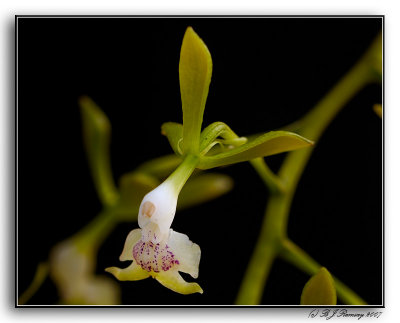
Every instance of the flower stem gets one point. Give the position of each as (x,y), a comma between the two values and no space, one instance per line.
(272,181)
(274,227)
(179,177)
(264,254)
(94,233)
(41,273)
(299,258)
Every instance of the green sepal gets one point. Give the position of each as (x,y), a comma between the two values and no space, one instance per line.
(203,188)
(271,143)
(209,135)
(96,136)
(195,69)
(174,133)
(319,290)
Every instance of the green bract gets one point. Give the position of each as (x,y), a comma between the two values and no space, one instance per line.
(319,290)
(195,69)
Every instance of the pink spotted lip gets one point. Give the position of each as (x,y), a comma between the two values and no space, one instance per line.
(154,256)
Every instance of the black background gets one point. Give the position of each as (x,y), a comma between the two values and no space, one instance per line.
(267,72)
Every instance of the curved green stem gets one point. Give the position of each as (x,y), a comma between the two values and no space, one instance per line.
(272,181)
(179,177)
(264,254)
(41,273)
(296,256)
(274,225)
(96,231)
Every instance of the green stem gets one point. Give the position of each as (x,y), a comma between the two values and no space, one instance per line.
(300,259)
(270,180)
(274,225)
(94,233)
(264,254)
(41,273)
(179,177)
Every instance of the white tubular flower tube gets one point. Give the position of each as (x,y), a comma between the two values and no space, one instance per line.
(158,207)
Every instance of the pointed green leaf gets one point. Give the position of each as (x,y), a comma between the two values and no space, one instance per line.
(195,68)
(96,135)
(174,133)
(319,290)
(203,188)
(271,143)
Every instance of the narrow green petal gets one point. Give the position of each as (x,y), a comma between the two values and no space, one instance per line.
(319,290)
(271,143)
(210,134)
(96,135)
(174,133)
(204,188)
(174,281)
(133,272)
(195,69)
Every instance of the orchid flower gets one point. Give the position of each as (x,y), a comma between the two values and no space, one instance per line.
(72,268)
(155,249)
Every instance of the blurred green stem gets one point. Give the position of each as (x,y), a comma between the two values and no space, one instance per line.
(274,226)
(41,273)
(272,181)
(296,256)
(94,233)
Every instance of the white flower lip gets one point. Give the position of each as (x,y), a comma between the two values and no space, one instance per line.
(162,261)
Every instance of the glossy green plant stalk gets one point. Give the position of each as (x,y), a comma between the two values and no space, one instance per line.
(273,231)
(296,256)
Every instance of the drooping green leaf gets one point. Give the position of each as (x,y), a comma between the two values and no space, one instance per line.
(271,143)
(174,133)
(195,69)
(96,136)
(209,135)
(319,290)
(203,188)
